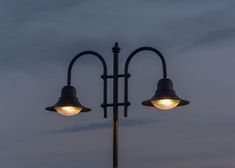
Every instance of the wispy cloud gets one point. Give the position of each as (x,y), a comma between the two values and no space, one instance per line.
(106,125)
(39,38)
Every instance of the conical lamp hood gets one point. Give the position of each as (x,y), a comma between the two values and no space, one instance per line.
(165,90)
(68,98)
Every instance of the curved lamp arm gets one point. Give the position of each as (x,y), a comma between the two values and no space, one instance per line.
(82,54)
(147,49)
(127,75)
(105,73)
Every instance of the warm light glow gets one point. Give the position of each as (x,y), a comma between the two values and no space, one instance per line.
(165,104)
(68,110)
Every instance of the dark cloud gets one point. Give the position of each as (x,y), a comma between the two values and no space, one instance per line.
(220,36)
(106,125)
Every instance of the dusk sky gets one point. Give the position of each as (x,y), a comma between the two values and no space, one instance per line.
(38,38)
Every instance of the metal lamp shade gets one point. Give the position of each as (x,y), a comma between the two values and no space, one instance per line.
(68,98)
(165,91)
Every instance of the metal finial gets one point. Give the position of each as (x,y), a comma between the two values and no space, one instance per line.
(116,47)
(116,44)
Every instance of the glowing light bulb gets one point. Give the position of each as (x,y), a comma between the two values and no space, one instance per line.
(68,110)
(165,104)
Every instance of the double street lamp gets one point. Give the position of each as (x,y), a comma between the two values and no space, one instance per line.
(165,98)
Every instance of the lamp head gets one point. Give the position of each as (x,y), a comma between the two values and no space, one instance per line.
(165,97)
(68,104)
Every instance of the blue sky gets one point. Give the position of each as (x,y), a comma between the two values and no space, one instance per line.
(39,38)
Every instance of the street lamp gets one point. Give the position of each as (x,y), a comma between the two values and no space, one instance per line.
(164,98)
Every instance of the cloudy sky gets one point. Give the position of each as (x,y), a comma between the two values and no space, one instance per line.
(39,38)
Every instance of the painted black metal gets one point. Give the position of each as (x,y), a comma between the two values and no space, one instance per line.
(127,66)
(119,76)
(116,51)
(165,88)
(119,104)
(68,98)
(104,74)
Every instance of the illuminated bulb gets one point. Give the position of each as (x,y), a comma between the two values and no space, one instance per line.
(68,110)
(165,104)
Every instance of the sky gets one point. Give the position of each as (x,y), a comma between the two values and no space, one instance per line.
(39,38)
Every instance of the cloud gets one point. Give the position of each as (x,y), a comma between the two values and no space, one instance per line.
(39,38)
(106,125)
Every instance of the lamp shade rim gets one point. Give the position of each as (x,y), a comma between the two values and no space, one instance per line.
(149,103)
(84,109)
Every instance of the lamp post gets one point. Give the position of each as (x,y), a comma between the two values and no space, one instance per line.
(164,98)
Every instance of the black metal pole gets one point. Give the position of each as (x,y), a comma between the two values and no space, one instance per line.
(116,50)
